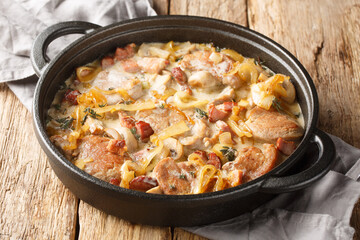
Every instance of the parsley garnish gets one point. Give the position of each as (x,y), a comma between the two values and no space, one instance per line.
(162,106)
(102,105)
(111,88)
(217,49)
(201,113)
(192,174)
(128,102)
(228,153)
(172,186)
(65,122)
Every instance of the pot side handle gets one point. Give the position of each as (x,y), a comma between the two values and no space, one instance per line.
(38,56)
(303,179)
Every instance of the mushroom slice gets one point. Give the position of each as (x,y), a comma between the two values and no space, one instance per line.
(175,147)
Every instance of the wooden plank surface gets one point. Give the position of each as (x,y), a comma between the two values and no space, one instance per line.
(33,202)
(324,35)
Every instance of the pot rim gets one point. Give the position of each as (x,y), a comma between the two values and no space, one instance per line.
(242,189)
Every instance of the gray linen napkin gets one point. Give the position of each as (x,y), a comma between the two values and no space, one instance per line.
(22,20)
(321,211)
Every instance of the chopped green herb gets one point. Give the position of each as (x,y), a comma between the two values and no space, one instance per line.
(179,58)
(128,102)
(271,74)
(57,106)
(172,186)
(201,113)
(48,119)
(84,119)
(63,86)
(182,176)
(102,105)
(192,174)
(259,62)
(217,49)
(228,153)
(134,132)
(92,113)
(111,88)
(277,105)
(65,123)
(162,106)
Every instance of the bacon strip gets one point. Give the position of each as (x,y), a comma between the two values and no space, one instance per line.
(71,96)
(286,147)
(107,62)
(220,112)
(144,130)
(181,78)
(214,160)
(143,183)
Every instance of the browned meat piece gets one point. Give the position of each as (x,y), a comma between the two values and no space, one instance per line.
(107,62)
(152,64)
(179,75)
(181,78)
(126,121)
(211,158)
(115,181)
(126,52)
(224,127)
(117,146)
(253,162)
(198,60)
(71,96)
(202,155)
(271,125)
(286,147)
(220,112)
(60,142)
(160,119)
(102,163)
(143,183)
(130,66)
(171,178)
(139,155)
(214,160)
(235,178)
(144,130)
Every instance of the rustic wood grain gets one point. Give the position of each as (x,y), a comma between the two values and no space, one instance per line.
(228,10)
(33,202)
(324,36)
(97,223)
(161,7)
(180,234)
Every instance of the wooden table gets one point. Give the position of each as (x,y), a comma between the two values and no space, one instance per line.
(323,35)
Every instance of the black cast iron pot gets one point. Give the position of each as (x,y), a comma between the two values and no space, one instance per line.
(188,210)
